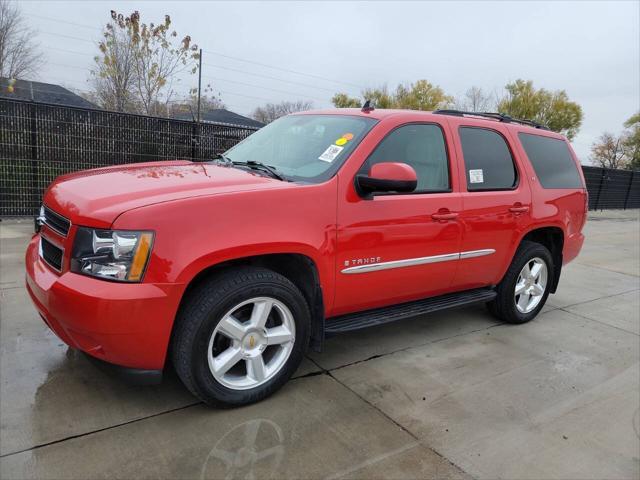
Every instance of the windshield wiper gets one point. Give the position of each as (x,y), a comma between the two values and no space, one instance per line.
(260,166)
(225,160)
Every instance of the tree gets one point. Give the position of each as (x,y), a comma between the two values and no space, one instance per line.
(608,152)
(208,102)
(272,111)
(553,109)
(19,54)
(621,151)
(476,100)
(114,77)
(631,141)
(342,100)
(421,95)
(380,97)
(143,60)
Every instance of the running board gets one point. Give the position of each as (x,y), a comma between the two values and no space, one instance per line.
(380,316)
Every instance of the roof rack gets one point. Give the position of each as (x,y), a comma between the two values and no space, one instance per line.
(501,117)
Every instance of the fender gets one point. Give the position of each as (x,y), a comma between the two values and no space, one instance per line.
(316,291)
(558,254)
(324,268)
(195,234)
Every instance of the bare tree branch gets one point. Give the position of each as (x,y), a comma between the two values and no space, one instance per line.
(19,54)
(609,152)
(139,64)
(476,100)
(272,111)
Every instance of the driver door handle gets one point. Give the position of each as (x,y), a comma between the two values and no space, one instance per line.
(444,216)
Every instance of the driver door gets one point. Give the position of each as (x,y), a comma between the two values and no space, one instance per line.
(397,247)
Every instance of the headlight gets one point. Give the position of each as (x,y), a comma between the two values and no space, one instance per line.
(112,254)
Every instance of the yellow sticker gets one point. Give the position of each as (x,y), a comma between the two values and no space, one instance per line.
(341,141)
(348,136)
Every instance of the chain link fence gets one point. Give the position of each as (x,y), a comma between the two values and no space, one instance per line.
(39,141)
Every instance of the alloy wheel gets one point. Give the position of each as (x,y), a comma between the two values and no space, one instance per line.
(251,343)
(531,285)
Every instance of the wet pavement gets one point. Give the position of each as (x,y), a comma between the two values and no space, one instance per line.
(448,395)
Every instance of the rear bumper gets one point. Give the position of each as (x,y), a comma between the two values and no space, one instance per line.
(572,246)
(128,325)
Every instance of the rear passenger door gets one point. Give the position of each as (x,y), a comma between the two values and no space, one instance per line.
(496,203)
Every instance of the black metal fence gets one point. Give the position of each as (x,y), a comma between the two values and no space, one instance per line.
(39,141)
(610,189)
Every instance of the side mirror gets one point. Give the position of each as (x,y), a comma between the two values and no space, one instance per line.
(387,177)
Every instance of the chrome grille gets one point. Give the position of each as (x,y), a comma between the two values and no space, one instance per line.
(56,222)
(51,254)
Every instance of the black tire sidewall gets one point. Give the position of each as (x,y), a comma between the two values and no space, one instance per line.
(277,287)
(506,290)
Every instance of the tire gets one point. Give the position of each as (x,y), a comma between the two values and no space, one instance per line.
(512,308)
(218,358)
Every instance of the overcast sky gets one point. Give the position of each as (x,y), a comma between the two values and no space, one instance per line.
(590,49)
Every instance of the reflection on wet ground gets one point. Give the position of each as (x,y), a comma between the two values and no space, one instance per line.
(314,428)
(450,395)
(239,453)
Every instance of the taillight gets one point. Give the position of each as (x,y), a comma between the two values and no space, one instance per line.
(586,201)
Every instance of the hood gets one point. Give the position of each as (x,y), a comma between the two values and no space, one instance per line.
(97,197)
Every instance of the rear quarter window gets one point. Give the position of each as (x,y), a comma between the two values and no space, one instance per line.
(552,161)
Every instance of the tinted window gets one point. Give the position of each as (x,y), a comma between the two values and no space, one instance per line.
(422,147)
(487,159)
(552,161)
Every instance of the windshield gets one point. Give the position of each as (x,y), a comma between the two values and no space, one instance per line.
(303,147)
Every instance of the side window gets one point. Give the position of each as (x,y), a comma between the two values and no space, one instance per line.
(552,161)
(487,159)
(422,147)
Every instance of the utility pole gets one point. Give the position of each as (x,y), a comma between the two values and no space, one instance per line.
(199,82)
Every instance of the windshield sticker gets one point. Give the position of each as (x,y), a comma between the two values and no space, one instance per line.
(476,176)
(341,141)
(348,136)
(330,153)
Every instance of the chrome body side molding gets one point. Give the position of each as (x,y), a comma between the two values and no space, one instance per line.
(477,253)
(407,262)
(410,262)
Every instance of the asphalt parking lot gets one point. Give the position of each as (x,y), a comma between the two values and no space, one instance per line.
(448,395)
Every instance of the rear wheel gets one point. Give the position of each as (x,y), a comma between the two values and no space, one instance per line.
(240,336)
(525,287)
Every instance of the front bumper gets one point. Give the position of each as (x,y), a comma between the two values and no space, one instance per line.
(128,325)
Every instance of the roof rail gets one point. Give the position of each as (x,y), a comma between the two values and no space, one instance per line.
(501,117)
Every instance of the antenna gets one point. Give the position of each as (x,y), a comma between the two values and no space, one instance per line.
(367,107)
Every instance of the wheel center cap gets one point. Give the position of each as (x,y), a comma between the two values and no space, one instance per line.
(254,342)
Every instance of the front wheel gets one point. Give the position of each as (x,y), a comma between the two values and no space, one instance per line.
(240,336)
(525,287)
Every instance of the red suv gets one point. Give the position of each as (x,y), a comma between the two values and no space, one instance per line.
(319,223)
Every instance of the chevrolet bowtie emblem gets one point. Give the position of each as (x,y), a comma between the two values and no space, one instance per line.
(252,342)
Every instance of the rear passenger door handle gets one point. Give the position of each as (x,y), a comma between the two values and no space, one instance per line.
(444,216)
(519,209)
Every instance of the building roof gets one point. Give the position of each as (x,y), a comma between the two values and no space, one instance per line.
(221,115)
(41,92)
